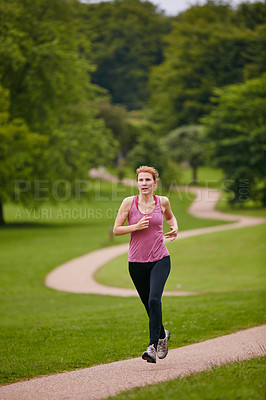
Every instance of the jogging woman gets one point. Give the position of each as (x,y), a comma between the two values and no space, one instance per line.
(149,260)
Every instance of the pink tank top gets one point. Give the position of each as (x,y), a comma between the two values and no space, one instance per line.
(147,244)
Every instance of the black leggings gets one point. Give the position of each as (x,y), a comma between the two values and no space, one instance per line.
(149,279)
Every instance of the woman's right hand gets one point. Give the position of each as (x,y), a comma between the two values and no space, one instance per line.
(143,223)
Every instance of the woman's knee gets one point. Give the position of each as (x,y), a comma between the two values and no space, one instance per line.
(154,302)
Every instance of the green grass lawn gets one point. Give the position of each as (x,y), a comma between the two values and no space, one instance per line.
(244,380)
(45,331)
(246,210)
(201,263)
(206,176)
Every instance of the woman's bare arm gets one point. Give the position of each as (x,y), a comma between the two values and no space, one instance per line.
(119,228)
(170,219)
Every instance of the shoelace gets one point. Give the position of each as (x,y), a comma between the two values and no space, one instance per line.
(162,344)
(151,348)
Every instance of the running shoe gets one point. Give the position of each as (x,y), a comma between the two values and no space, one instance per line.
(150,354)
(162,349)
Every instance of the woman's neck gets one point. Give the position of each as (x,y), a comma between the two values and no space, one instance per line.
(146,198)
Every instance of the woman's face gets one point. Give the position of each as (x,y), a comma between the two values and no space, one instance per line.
(146,183)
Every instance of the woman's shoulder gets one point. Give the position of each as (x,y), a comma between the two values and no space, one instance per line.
(164,200)
(127,201)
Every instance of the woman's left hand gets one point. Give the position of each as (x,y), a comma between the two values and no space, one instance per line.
(172,235)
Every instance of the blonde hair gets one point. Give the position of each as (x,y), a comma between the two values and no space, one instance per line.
(150,170)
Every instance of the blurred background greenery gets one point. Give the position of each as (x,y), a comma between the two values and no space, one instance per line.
(119,84)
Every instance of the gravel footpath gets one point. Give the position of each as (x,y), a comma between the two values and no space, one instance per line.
(106,380)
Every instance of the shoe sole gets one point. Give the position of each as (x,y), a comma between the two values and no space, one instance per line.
(161,358)
(145,356)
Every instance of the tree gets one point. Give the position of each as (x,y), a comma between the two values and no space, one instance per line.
(40,63)
(236,129)
(185,144)
(148,152)
(116,118)
(20,149)
(127,39)
(45,65)
(207,48)
(251,14)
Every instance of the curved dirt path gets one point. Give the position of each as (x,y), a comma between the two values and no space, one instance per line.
(106,380)
(77,275)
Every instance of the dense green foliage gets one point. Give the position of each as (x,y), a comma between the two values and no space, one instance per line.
(117,119)
(147,152)
(20,149)
(209,46)
(41,65)
(48,80)
(127,40)
(237,130)
(186,144)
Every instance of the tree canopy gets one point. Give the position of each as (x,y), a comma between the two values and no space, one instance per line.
(20,149)
(127,40)
(147,152)
(208,47)
(186,144)
(236,130)
(45,67)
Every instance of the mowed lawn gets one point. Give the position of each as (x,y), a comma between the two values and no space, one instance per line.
(45,331)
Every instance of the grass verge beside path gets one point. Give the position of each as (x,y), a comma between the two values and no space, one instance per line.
(241,380)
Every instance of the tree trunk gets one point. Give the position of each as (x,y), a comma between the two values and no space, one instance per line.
(2,222)
(195,181)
